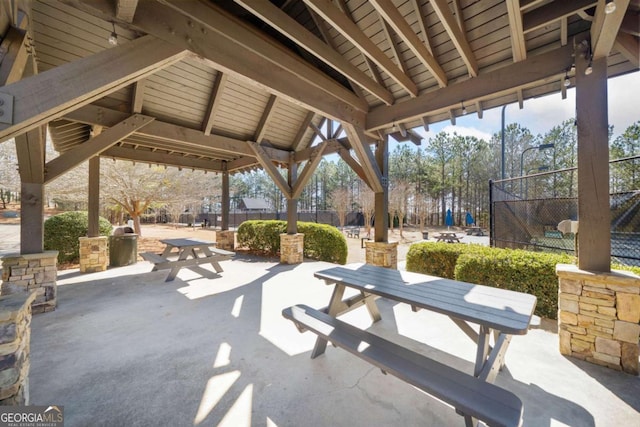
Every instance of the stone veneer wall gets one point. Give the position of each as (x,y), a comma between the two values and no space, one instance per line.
(291,248)
(383,254)
(32,272)
(15,337)
(93,254)
(599,317)
(226,240)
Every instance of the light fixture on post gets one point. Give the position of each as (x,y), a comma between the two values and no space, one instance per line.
(464,109)
(113,38)
(610,7)
(567,80)
(589,68)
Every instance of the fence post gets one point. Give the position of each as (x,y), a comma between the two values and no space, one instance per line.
(491,219)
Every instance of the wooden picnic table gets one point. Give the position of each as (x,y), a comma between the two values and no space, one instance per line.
(500,312)
(448,236)
(190,253)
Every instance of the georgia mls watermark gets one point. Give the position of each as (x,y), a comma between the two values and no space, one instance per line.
(32,416)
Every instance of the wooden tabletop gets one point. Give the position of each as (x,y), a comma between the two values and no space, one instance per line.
(504,310)
(183,242)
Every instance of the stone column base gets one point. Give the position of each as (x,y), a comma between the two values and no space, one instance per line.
(291,248)
(599,317)
(15,336)
(93,254)
(382,254)
(226,240)
(32,272)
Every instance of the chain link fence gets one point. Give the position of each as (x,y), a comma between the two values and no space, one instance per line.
(525,211)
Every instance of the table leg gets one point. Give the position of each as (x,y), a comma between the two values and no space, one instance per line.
(495,361)
(334,306)
(183,254)
(483,349)
(372,307)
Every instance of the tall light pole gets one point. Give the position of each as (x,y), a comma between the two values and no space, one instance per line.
(502,175)
(537,147)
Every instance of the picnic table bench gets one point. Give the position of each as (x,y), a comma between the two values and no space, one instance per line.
(449,237)
(499,312)
(190,253)
(353,232)
(475,231)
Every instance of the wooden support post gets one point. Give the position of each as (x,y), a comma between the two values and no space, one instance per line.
(225,197)
(382,198)
(292,204)
(594,236)
(94,197)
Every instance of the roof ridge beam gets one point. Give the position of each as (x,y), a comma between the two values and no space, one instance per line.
(390,13)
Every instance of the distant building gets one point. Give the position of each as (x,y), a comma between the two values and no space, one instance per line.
(253,205)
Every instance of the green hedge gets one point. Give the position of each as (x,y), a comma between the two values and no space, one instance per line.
(63,231)
(516,270)
(322,242)
(437,259)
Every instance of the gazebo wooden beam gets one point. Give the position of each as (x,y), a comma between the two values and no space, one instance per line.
(454,30)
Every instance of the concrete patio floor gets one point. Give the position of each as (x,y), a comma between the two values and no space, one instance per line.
(125,348)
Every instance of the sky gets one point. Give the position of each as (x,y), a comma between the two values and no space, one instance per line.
(539,115)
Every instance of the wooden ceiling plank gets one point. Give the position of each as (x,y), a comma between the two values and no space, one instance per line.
(308,170)
(94,146)
(454,28)
(629,47)
(518,45)
(288,26)
(361,147)
(510,77)
(231,45)
(214,102)
(126,9)
(267,115)
(270,168)
(605,28)
(69,86)
(551,12)
(423,25)
(138,96)
(13,55)
(345,26)
(390,13)
(166,159)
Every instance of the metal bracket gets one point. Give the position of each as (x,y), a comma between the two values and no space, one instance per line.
(6,108)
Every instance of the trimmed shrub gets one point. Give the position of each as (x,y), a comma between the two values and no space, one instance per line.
(63,231)
(437,259)
(322,242)
(516,270)
(631,268)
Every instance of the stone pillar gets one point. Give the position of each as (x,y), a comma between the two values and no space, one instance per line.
(382,254)
(226,240)
(32,272)
(291,248)
(599,316)
(93,254)
(15,337)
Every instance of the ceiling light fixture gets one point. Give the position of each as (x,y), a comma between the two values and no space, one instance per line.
(610,7)
(589,69)
(113,38)
(464,109)
(567,80)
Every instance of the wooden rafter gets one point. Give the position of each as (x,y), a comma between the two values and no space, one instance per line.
(288,26)
(214,102)
(138,96)
(13,55)
(353,164)
(390,13)
(605,27)
(454,27)
(422,24)
(479,109)
(94,146)
(297,140)
(126,9)
(629,47)
(345,26)
(501,81)
(267,115)
(518,45)
(69,86)
(228,44)
(551,12)
(386,29)
(362,149)
(147,156)
(308,170)
(271,169)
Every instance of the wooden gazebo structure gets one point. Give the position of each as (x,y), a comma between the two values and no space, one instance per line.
(230,85)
